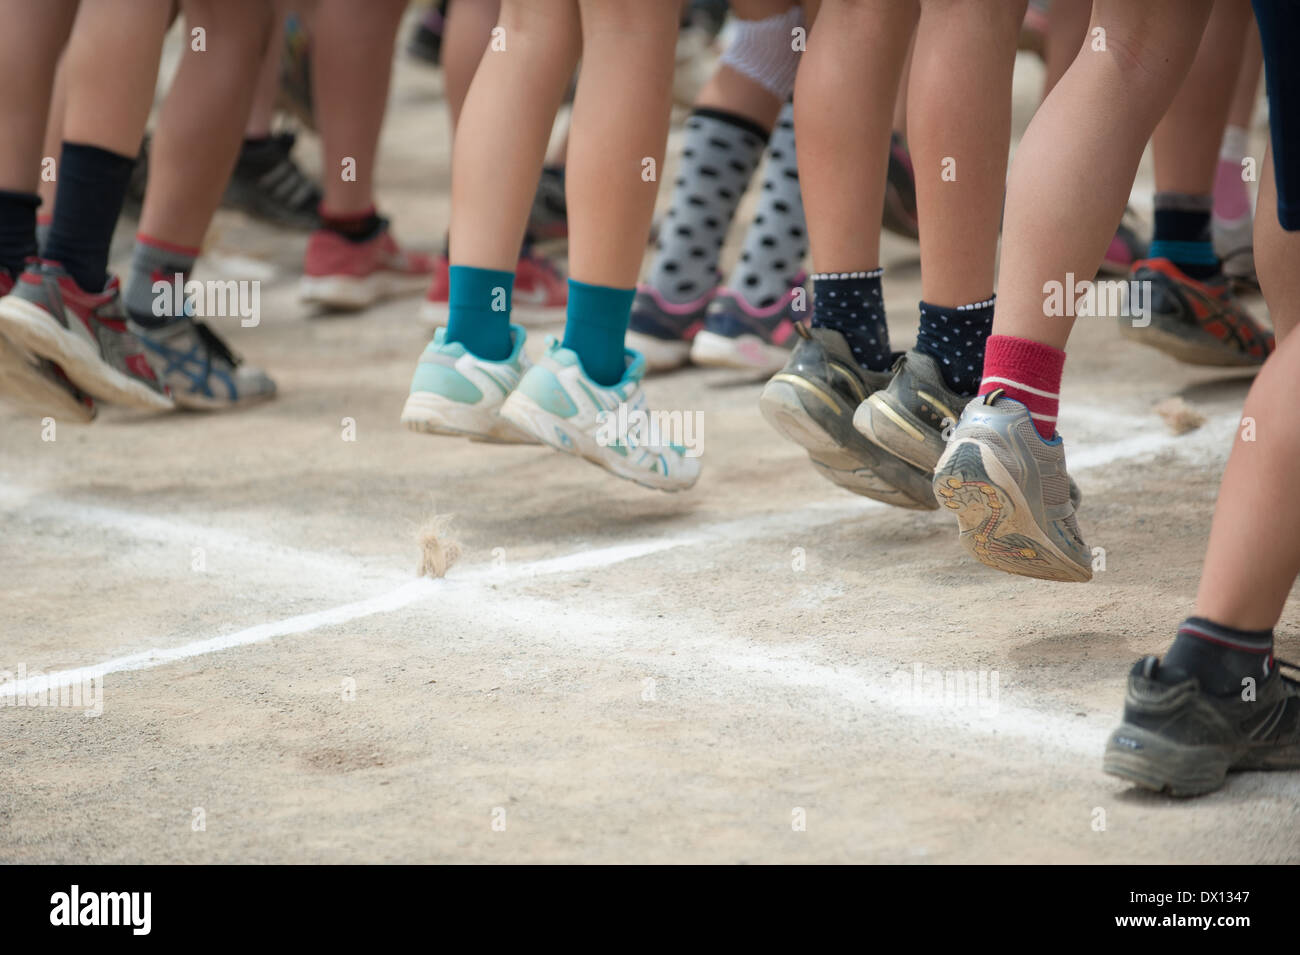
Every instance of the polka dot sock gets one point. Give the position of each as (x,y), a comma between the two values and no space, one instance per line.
(719,156)
(777,241)
(955,337)
(850,303)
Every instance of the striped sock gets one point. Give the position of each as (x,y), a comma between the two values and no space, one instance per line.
(1029,372)
(1220,657)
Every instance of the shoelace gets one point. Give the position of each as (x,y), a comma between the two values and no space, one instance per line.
(213,345)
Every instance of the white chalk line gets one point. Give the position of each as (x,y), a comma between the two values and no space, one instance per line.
(788,666)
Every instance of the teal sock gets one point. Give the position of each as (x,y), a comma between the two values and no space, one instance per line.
(479,311)
(597,322)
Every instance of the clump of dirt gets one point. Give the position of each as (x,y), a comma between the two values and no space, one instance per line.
(1178,415)
(438,550)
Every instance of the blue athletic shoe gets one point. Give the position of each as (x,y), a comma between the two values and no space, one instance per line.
(200,369)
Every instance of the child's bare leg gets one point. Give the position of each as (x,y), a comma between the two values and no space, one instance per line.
(352,60)
(465,37)
(494,163)
(1066,191)
(1067,25)
(262,111)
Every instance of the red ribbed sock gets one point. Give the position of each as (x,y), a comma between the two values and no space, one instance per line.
(1029,372)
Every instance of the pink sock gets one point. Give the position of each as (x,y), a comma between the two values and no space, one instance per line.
(1029,372)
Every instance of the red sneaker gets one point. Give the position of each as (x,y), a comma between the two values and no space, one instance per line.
(339,274)
(540,295)
(84,334)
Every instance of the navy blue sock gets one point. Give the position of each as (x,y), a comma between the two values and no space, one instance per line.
(850,303)
(595,326)
(478,311)
(92,187)
(955,337)
(1220,657)
(17,229)
(1183,235)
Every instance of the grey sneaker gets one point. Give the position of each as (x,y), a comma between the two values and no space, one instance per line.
(914,414)
(1175,737)
(811,402)
(200,369)
(1011,493)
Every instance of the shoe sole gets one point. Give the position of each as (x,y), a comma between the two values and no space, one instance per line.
(1188,352)
(661,354)
(745,352)
(556,432)
(348,294)
(883,422)
(803,412)
(428,413)
(200,403)
(435,314)
(22,383)
(997,526)
(31,327)
(1161,765)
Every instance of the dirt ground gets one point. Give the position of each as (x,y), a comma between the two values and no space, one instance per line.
(742,673)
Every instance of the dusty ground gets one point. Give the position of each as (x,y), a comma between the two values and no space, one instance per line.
(609,674)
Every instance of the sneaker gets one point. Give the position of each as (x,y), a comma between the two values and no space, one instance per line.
(84,333)
(559,405)
(900,191)
(268,185)
(1012,493)
(913,416)
(1126,247)
(664,332)
(340,274)
(1200,323)
(37,384)
(1177,738)
(457,393)
(811,402)
(200,369)
(540,294)
(738,335)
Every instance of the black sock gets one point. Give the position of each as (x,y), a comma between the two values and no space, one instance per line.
(17,229)
(1220,657)
(355,228)
(955,337)
(851,304)
(1183,234)
(92,187)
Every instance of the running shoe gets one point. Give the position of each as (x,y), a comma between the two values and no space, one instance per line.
(1012,493)
(84,333)
(738,335)
(1200,323)
(811,402)
(201,370)
(914,415)
(664,332)
(345,275)
(37,384)
(900,191)
(268,185)
(559,405)
(454,392)
(1234,244)
(1177,738)
(1126,247)
(540,294)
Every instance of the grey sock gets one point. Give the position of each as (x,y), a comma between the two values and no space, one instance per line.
(152,263)
(777,240)
(42,233)
(718,159)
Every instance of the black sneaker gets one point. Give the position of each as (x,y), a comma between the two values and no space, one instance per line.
(914,416)
(1177,738)
(268,185)
(811,402)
